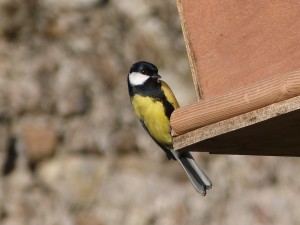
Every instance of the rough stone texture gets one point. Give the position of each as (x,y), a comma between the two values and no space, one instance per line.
(64,106)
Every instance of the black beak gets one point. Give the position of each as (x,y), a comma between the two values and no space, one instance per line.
(156,76)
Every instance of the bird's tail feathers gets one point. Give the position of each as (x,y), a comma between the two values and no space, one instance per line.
(199,179)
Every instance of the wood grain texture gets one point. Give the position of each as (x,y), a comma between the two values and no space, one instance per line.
(271,130)
(236,43)
(188,50)
(242,100)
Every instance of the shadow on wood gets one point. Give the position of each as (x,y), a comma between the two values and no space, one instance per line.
(272,130)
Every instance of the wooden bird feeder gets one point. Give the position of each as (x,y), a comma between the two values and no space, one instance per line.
(245,62)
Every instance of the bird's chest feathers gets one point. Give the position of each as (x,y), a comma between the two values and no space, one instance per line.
(153,114)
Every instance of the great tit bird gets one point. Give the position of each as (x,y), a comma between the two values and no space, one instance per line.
(153,102)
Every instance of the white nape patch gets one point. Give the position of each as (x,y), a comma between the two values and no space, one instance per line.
(136,78)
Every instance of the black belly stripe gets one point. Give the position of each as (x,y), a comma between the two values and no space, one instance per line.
(169,108)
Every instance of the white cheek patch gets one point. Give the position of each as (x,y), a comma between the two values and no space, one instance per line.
(137,78)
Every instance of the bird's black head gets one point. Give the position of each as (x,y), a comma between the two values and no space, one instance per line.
(141,72)
(145,68)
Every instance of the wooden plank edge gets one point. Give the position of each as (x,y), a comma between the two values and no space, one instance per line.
(190,53)
(239,101)
(288,152)
(184,141)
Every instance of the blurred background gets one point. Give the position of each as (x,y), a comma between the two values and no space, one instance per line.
(71,149)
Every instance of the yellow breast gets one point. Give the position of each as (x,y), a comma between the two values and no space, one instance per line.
(152,113)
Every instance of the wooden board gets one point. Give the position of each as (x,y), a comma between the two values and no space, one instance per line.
(232,43)
(239,101)
(271,130)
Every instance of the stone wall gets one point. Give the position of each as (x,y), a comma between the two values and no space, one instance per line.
(71,149)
